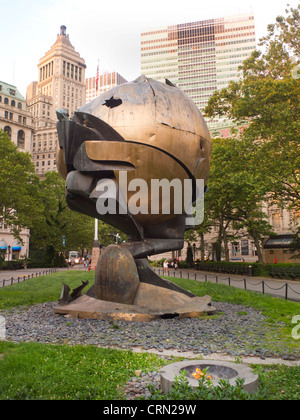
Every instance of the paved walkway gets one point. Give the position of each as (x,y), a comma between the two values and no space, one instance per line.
(8,277)
(274,287)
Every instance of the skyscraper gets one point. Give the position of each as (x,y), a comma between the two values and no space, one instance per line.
(61,84)
(101,83)
(199,57)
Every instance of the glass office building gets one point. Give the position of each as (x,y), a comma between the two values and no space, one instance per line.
(199,57)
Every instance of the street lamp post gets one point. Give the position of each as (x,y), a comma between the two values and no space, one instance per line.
(194,249)
(96,248)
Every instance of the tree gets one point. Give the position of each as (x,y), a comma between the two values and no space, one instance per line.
(235,194)
(20,204)
(189,256)
(266,100)
(59,221)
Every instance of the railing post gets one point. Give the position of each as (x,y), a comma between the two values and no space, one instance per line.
(245,284)
(263,287)
(286,291)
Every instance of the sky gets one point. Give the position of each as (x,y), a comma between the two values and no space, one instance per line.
(105,30)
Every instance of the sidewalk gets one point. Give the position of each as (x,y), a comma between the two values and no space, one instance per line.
(16,276)
(274,287)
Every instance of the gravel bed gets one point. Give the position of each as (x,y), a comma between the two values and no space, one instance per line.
(236,330)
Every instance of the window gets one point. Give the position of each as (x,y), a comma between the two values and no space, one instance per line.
(7,129)
(276,220)
(6,101)
(297,219)
(13,103)
(245,246)
(19,105)
(21,139)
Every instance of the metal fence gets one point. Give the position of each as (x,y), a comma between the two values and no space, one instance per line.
(262,286)
(19,279)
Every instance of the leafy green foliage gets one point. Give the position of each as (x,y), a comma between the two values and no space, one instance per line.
(19,187)
(266,102)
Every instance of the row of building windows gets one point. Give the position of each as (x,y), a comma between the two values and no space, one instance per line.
(72,71)
(12,102)
(46,71)
(43,163)
(243,34)
(240,41)
(10,116)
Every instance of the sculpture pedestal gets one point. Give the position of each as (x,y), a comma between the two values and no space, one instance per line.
(95,255)
(128,289)
(151,303)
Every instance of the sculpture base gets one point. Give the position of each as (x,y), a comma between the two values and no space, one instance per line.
(95,255)
(128,289)
(151,303)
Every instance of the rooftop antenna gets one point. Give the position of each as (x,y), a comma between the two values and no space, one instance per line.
(63,30)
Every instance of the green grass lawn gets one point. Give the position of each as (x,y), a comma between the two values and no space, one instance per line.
(42,289)
(49,372)
(45,371)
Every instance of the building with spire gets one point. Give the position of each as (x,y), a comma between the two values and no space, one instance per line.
(61,84)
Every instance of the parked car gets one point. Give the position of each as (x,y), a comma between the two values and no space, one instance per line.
(237,259)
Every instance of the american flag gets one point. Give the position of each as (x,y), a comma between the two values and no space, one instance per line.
(97,78)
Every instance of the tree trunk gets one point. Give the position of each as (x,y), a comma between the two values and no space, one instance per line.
(219,241)
(258,247)
(202,245)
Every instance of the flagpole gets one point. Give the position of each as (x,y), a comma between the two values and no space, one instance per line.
(95,254)
(97,79)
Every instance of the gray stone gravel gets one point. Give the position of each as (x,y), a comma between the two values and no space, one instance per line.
(236,330)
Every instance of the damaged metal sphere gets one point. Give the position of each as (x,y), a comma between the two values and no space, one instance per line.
(147,128)
(113,150)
